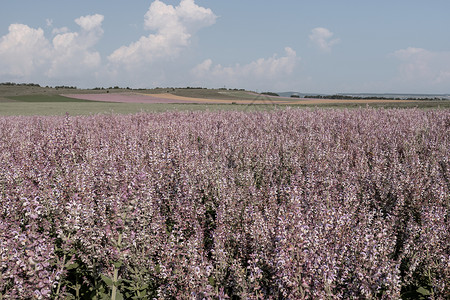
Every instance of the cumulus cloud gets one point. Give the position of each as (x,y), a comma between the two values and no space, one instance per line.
(322,38)
(91,23)
(60,30)
(261,71)
(424,68)
(173,26)
(23,50)
(72,50)
(26,53)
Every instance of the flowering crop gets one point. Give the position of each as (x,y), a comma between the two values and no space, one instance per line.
(289,204)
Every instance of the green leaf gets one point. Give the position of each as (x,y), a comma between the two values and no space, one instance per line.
(118,264)
(119,296)
(118,282)
(212,281)
(70,266)
(423,291)
(107,280)
(104,296)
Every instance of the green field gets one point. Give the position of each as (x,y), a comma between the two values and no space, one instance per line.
(86,108)
(45,98)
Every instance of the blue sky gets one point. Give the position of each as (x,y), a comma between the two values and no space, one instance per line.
(323,46)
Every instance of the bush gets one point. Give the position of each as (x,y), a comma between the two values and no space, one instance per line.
(270,94)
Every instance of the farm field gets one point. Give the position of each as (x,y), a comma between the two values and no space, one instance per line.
(249,98)
(25,100)
(288,204)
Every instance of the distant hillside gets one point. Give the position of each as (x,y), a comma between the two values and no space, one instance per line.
(368,95)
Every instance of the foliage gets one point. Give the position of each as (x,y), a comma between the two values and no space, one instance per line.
(288,204)
(65,87)
(19,84)
(270,94)
(348,97)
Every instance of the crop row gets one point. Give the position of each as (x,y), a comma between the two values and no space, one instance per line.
(289,204)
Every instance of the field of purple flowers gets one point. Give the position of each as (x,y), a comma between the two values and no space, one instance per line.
(289,204)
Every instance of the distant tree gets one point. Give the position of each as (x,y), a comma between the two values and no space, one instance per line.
(295,96)
(270,94)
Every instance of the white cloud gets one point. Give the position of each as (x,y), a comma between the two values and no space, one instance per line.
(322,38)
(60,30)
(25,53)
(262,72)
(424,69)
(174,27)
(23,50)
(90,23)
(72,50)
(204,68)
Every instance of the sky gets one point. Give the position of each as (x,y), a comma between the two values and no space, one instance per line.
(314,46)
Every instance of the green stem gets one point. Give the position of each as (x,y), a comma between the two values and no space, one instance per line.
(60,279)
(77,287)
(116,271)
(62,269)
(431,283)
(114,287)
(430,278)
